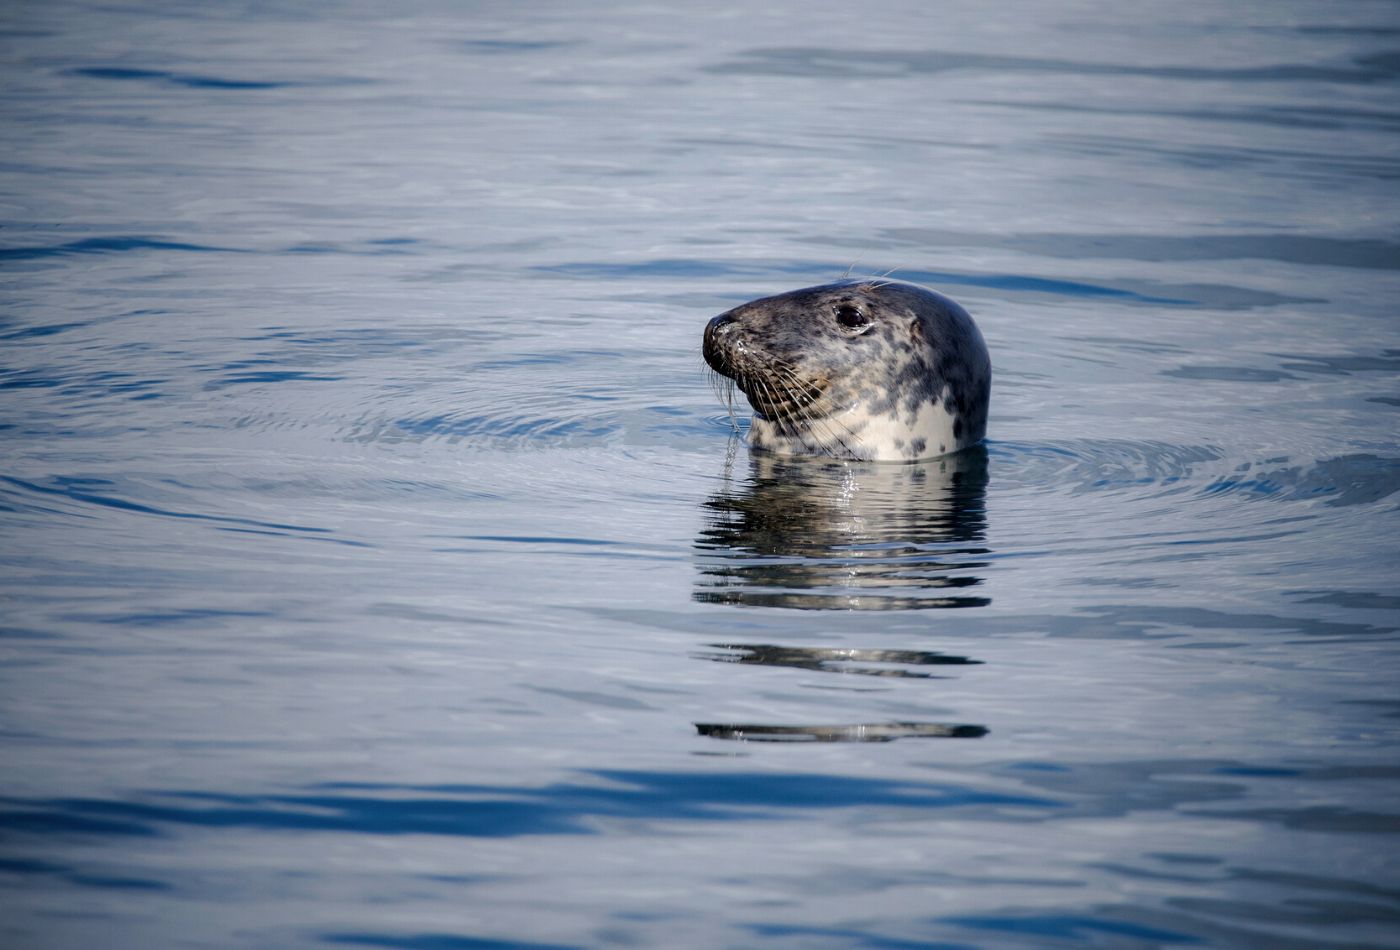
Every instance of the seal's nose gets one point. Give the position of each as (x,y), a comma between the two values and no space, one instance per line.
(716,333)
(720,322)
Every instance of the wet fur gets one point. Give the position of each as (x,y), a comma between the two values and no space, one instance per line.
(914,383)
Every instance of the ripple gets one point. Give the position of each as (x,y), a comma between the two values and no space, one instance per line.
(113,244)
(262,377)
(511,46)
(427,940)
(495,811)
(1100,466)
(1365,253)
(501,431)
(192,80)
(860,732)
(1304,164)
(698,269)
(892,663)
(1281,117)
(98,493)
(1157,468)
(1387,361)
(518,398)
(1075,927)
(1345,480)
(827,62)
(1228,374)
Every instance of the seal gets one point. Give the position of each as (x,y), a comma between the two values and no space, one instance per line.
(875,370)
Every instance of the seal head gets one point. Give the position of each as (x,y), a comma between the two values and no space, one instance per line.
(875,370)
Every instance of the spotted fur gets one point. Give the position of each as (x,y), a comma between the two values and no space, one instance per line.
(876,370)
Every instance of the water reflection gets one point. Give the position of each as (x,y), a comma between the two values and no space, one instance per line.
(860,732)
(819,535)
(836,660)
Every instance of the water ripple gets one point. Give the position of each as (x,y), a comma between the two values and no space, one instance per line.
(859,732)
(114,244)
(1150,468)
(826,62)
(1017,283)
(191,80)
(438,941)
(88,492)
(1320,250)
(1358,479)
(842,660)
(486,811)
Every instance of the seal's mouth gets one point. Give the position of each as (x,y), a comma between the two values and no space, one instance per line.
(776,389)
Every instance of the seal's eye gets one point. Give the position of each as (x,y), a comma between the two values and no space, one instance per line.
(851,317)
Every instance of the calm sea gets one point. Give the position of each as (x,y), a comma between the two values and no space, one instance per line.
(379,569)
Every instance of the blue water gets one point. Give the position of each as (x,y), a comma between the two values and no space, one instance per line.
(379,568)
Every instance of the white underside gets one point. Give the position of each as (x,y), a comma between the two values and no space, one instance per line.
(882,438)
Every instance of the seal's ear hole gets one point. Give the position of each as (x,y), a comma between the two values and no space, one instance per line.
(916,331)
(851,316)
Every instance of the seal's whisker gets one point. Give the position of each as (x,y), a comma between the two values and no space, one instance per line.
(818,415)
(789,413)
(823,417)
(792,389)
(876,281)
(774,405)
(723,388)
(777,392)
(797,406)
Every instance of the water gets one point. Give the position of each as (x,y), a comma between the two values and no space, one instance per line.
(380,570)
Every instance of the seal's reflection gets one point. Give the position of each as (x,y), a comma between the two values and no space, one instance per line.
(855,662)
(821,535)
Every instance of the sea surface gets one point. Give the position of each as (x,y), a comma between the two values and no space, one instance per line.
(378,567)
